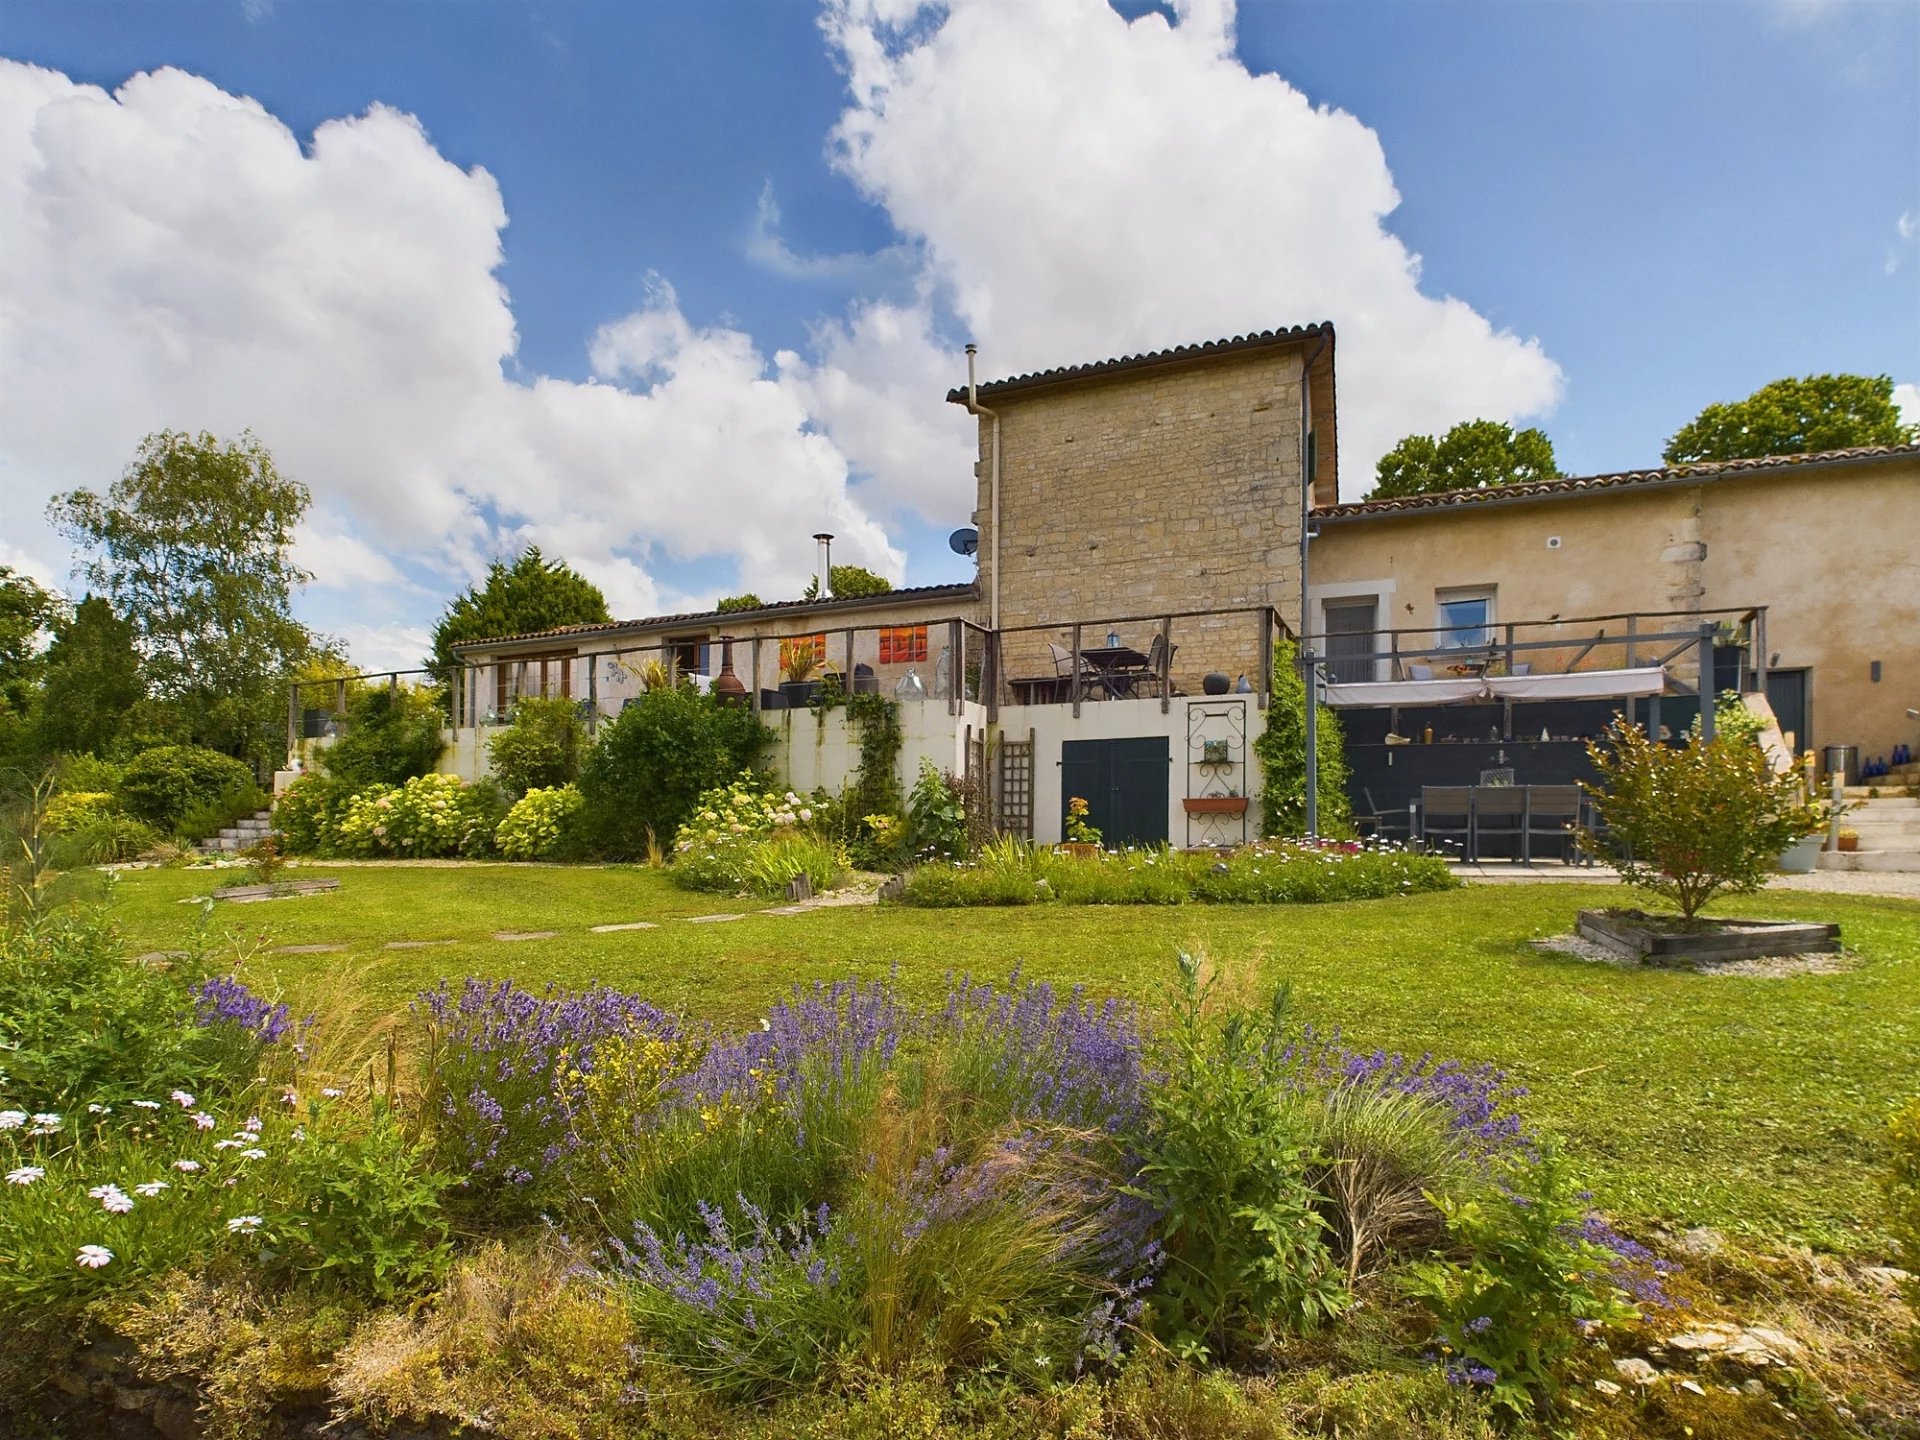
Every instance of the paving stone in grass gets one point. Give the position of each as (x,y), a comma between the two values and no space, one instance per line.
(630,925)
(710,919)
(415,944)
(525,934)
(307,949)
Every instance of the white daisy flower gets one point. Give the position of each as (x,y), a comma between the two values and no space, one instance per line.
(245,1224)
(146,1104)
(253,1154)
(252,1127)
(112,1198)
(182,1099)
(92,1257)
(189,1166)
(150,1189)
(48,1119)
(228,1144)
(94,1109)
(203,1121)
(332,1093)
(12,1119)
(25,1175)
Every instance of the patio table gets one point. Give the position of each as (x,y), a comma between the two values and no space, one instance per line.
(1115,668)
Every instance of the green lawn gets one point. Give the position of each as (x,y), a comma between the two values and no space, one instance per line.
(1751,1105)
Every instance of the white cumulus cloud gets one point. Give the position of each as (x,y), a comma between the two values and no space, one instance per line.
(172,256)
(1083,186)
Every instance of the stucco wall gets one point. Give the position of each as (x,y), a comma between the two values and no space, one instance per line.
(1146,493)
(1832,555)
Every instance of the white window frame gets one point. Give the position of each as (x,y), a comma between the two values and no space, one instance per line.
(1453,595)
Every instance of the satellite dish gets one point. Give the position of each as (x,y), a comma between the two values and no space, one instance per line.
(964,541)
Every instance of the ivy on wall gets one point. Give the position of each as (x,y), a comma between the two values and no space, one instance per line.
(1282,748)
(876,781)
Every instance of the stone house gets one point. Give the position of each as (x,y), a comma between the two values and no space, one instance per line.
(1140,526)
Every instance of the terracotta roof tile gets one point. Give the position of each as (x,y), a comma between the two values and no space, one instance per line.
(913,594)
(1622,480)
(1067,374)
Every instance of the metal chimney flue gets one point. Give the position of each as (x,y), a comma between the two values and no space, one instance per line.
(826,565)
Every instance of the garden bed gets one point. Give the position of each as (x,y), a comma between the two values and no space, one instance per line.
(1663,940)
(277,890)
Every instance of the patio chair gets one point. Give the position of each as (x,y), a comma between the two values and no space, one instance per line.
(1447,810)
(1384,823)
(1553,812)
(1146,680)
(1071,671)
(1500,814)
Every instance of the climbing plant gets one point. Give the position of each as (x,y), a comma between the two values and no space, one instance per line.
(876,781)
(1282,749)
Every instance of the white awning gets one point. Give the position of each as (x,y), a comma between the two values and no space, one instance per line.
(1580,685)
(1408,692)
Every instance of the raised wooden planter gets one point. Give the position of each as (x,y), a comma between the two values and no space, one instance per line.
(1078,849)
(1658,940)
(1215,804)
(279,890)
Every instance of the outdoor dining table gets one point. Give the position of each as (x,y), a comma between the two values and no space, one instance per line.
(1115,668)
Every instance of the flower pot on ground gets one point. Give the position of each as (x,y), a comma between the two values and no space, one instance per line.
(1801,857)
(1079,849)
(1847,840)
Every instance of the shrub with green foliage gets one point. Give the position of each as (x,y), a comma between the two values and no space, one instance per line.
(936,818)
(539,824)
(82,1020)
(1687,824)
(650,766)
(1226,1163)
(1903,1199)
(104,840)
(1536,1274)
(390,735)
(1282,750)
(1012,872)
(173,785)
(430,817)
(748,836)
(70,810)
(541,748)
(307,813)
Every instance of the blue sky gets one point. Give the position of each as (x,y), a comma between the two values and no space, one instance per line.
(1638,208)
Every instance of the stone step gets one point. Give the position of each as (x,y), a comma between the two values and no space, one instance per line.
(1900,861)
(1885,795)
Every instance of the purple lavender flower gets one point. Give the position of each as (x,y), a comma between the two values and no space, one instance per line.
(225,1001)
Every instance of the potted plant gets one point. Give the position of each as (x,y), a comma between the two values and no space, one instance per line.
(798,660)
(1847,840)
(1082,839)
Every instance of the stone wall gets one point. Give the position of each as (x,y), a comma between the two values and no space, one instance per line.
(1150,492)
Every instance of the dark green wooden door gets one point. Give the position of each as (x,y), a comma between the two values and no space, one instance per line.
(1124,783)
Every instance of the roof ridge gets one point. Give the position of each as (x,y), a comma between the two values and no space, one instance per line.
(688,617)
(1196,350)
(1616,479)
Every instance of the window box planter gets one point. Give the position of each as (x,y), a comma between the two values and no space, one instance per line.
(800,694)
(1215,804)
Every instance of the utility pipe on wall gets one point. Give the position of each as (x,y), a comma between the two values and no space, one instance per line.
(974,407)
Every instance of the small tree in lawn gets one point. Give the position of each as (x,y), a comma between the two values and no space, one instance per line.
(1688,824)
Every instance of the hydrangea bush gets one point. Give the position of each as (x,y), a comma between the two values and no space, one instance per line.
(536,828)
(713,849)
(431,816)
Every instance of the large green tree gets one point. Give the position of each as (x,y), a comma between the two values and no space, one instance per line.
(849,581)
(94,686)
(533,593)
(27,611)
(1794,417)
(1471,456)
(193,544)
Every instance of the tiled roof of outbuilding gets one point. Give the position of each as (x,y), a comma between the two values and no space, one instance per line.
(1622,480)
(1068,374)
(912,595)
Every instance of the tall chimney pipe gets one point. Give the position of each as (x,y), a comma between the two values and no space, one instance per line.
(826,565)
